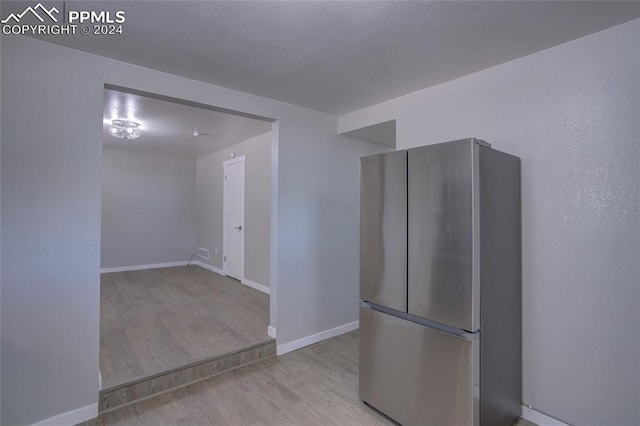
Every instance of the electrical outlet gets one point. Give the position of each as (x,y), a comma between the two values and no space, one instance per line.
(215,251)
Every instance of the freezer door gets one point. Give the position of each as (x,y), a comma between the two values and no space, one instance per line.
(442,201)
(418,375)
(383,229)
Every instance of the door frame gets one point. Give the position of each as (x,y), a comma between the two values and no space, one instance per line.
(239,159)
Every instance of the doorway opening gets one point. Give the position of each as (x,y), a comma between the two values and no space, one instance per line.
(181,298)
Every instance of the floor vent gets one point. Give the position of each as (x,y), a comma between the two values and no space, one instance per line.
(203,253)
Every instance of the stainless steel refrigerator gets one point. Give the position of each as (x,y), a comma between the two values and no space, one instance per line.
(440,285)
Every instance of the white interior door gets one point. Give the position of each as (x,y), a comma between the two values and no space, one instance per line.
(233,217)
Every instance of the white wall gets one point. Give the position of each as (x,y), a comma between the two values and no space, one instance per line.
(257,224)
(572,114)
(52,101)
(148,208)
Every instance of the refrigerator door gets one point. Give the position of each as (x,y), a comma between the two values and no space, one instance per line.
(383,229)
(418,375)
(443,278)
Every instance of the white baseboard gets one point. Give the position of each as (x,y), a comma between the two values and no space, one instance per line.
(315,338)
(271,331)
(141,267)
(257,286)
(539,418)
(71,417)
(207,266)
(249,283)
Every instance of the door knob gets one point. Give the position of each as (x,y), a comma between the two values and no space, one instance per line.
(238,228)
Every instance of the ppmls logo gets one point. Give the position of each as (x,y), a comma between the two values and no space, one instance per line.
(84,22)
(34,11)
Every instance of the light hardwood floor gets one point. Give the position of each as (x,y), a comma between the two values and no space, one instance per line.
(159,319)
(317,385)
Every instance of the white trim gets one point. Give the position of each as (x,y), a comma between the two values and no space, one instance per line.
(240,159)
(207,266)
(273,277)
(141,267)
(539,418)
(271,331)
(255,285)
(234,160)
(72,417)
(315,338)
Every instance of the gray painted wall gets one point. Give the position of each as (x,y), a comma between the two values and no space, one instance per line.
(51,167)
(571,113)
(148,208)
(0,241)
(318,211)
(257,205)
(52,102)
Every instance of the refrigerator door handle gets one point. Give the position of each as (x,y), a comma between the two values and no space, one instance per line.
(465,334)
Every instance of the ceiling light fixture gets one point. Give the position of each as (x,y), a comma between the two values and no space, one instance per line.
(125,129)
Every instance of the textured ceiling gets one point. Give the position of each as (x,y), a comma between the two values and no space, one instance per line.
(337,57)
(169,127)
